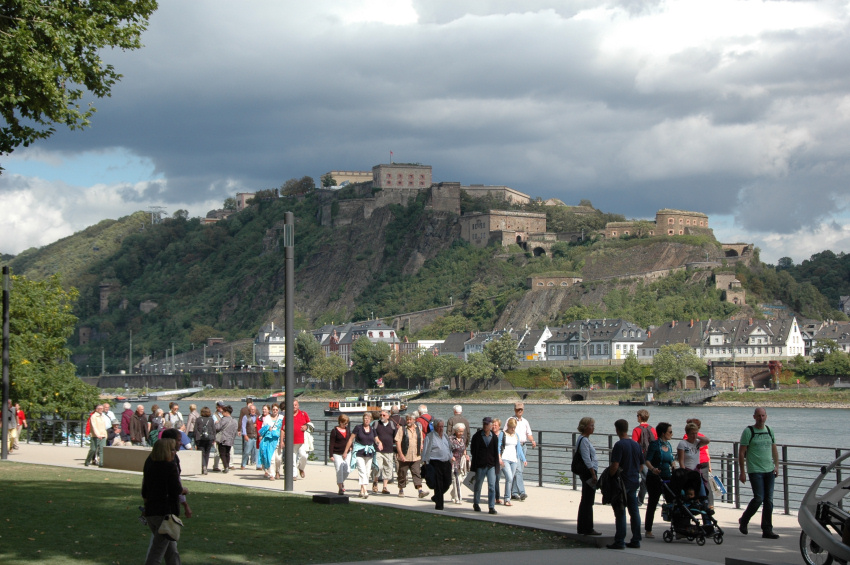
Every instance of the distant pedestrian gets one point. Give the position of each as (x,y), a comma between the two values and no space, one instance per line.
(425,420)
(336,447)
(759,457)
(457,418)
(626,456)
(138,426)
(22,423)
(204,436)
(270,434)
(98,437)
(248,431)
(227,429)
(126,418)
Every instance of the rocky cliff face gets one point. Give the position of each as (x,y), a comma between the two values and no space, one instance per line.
(339,271)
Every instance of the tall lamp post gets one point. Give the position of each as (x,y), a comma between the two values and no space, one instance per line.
(289,383)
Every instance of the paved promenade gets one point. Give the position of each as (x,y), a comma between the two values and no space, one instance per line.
(552,508)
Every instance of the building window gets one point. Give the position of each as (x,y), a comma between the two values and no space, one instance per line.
(370,334)
(380,334)
(681,221)
(681,232)
(669,220)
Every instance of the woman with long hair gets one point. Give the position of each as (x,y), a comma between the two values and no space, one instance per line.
(512,456)
(161,491)
(204,436)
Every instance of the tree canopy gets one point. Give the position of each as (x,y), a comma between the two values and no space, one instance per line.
(675,362)
(42,378)
(52,57)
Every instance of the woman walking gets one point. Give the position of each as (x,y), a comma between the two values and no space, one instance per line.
(688,452)
(204,436)
(512,456)
(660,461)
(161,491)
(363,443)
(336,447)
(587,452)
(227,428)
(460,460)
(270,434)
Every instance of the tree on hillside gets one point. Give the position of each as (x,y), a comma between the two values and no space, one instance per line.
(328,180)
(479,307)
(329,369)
(201,332)
(297,186)
(631,372)
(675,362)
(52,57)
(307,351)
(502,352)
(229,203)
(445,325)
(42,377)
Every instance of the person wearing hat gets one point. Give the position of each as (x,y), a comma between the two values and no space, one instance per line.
(486,460)
(113,435)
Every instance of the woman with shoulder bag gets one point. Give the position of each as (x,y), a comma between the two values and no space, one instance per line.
(161,491)
(587,455)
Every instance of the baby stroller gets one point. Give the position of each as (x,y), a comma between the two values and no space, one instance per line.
(688,515)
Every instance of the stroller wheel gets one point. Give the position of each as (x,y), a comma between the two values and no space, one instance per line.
(668,536)
(701,540)
(718,538)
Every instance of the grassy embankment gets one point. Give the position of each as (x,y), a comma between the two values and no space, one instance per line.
(87,517)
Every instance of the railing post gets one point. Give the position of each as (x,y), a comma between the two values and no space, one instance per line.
(785,489)
(838,476)
(572,454)
(327,440)
(539,458)
(735,479)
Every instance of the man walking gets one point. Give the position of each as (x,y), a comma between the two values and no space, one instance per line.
(97,426)
(248,429)
(758,451)
(486,462)
(409,443)
(300,419)
(386,430)
(523,432)
(22,423)
(644,434)
(438,453)
(626,456)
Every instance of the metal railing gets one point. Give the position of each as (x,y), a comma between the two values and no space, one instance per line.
(550,461)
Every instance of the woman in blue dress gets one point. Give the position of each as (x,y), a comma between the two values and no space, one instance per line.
(270,434)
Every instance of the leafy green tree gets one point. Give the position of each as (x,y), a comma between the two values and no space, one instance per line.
(328,180)
(477,366)
(631,371)
(823,348)
(229,203)
(675,362)
(329,369)
(371,360)
(579,312)
(444,368)
(42,377)
(307,351)
(502,352)
(479,307)
(52,57)
(581,379)
(445,325)
(298,186)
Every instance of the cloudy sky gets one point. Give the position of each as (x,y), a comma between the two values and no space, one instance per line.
(738,109)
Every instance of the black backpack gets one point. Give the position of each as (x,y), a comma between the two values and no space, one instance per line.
(204,429)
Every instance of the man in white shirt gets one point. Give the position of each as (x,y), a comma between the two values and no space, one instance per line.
(523,431)
(108,415)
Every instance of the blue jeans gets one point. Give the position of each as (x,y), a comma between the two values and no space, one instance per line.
(249,452)
(762,484)
(519,485)
(634,515)
(509,470)
(490,473)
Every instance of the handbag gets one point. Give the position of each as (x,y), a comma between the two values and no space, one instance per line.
(578,466)
(170,527)
(716,484)
(469,480)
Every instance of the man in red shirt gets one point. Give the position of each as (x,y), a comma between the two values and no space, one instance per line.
(300,419)
(22,423)
(643,433)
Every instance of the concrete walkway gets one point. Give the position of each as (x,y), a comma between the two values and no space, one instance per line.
(552,509)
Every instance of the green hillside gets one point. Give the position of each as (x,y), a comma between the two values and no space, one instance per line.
(226,279)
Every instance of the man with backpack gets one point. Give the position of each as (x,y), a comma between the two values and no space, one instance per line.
(758,452)
(425,421)
(644,434)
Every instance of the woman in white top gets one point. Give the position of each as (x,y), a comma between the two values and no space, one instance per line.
(512,456)
(688,452)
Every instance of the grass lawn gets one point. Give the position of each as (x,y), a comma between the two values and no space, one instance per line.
(82,516)
(790,394)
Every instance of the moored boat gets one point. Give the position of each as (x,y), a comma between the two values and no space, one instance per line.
(366,403)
